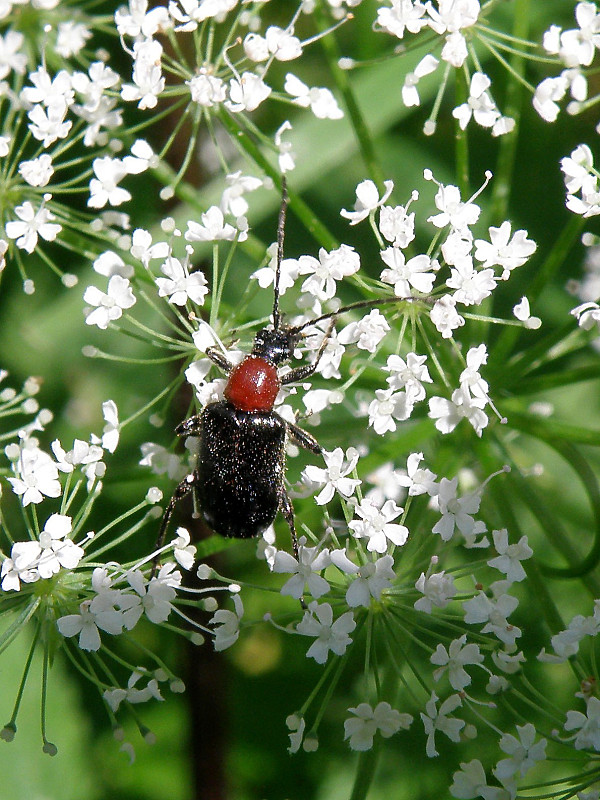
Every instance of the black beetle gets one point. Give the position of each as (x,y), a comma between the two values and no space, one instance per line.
(240,472)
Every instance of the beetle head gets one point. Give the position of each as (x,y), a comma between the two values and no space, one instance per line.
(276,346)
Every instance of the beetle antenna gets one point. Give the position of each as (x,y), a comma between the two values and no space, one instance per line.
(279,257)
(359,304)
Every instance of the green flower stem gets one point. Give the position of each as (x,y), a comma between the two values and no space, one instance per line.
(357,120)
(512,106)
(461,137)
(583,567)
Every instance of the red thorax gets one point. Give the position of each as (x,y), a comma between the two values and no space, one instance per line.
(253,385)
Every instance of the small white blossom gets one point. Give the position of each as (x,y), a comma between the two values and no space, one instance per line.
(375,524)
(320,101)
(31,224)
(311,560)
(437,589)
(510,556)
(330,635)
(367,721)
(367,200)
(587,725)
(178,285)
(454,659)
(334,477)
(370,581)
(247,92)
(435,719)
(213,228)
(108,306)
(227,624)
(418,272)
(523,753)
(367,333)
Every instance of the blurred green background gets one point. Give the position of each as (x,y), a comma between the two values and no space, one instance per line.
(226,737)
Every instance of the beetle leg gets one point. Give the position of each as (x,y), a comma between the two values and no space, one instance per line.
(183,488)
(303,439)
(218,358)
(190,427)
(300,373)
(287,510)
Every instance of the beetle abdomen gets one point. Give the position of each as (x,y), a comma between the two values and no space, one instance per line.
(241,465)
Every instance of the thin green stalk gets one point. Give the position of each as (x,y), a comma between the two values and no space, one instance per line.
(357,120)
(512,108)
(461,137)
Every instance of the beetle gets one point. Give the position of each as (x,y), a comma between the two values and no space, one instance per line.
(239,477)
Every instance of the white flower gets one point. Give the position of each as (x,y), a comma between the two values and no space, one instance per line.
(375,524)
(247,93)
(403,15)
(454,212)
(367,333)
(179,286)
(320,101)
(371,580)
(329,634)
(435,719)
(448,413)
(158,594)
(232,199)
(396,225)
(334,477)
(362,727)
(56,550)
(83,624)
(470,781)
(227,624)
(418,272)
(104,187)
(213,228)
(479,104)
(504,251)
(207,90)
(110,263)
(456,512)
(587,725)
(588,315)
(10,57)
(454,660)
(110,305)
(37,475)
(524,753)
(510,556)
(110,434)
(410,95)
(144,249)
(32,224)
(48,124)
(494,612)
(310,561)
(331,266)
(547,95)
(286,157)
(367,200)
(387,407)
(148,81)
(184,552)
(437,589)
(38,171)
(445,317)
(418,480)
(279,43)
(409,375)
